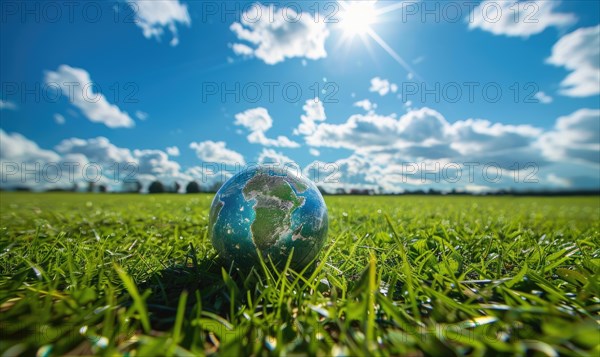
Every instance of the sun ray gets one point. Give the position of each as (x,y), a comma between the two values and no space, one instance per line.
(356,19)
(393,7)
(391,52)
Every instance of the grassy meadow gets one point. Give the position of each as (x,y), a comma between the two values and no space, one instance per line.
(136,275)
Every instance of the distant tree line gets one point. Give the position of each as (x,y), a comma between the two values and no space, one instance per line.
(132,186)
(433,192)
(135,186)
(191,187)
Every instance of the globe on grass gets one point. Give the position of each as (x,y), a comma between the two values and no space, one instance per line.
(268,211)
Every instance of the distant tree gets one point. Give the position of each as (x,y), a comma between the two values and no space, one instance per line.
(102,188)
(362,191)
(74,187)
(56,189)
(132,186)
(176,187)
(156,187)
(192,187)
(91,186)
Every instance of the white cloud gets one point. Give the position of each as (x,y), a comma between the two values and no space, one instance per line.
(141,115)
(156,163)
(575,137)
(566,156)
(424,134)
(16,147)
(423,138)
(518,18)
(81,160)
(242,50)
(381,145)
(366,105)
(270,156)
(474,137)
(313,112)
(98,150)
(153,17)
(382,86)
(23,163)
(258,137)
(424,126)
(59,119)
(277,34)
(258,121)
(365,171)
(76,84)
(6,104)
(173,151)
(543,98)
(579,52)
(217,152)
(558,181)
(354,172)
(206,176)
(143,165)
(314,152)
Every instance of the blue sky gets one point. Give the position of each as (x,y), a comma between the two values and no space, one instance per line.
(387,83)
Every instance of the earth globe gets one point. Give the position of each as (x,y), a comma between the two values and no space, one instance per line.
(268,211)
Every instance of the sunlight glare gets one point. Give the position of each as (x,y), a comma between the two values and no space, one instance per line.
(356,17)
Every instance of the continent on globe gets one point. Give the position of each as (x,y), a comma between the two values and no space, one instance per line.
(275,203)
(268,211)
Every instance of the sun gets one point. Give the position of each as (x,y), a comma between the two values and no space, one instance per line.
(356,17)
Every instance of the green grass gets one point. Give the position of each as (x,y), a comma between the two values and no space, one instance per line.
(137,275)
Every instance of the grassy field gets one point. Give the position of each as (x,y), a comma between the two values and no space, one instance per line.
(137,275)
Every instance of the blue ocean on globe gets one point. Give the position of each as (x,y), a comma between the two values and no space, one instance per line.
(268,210)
